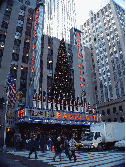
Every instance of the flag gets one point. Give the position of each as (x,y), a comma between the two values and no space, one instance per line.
(71,103)
(39,101)
(44,101)
(58,104)
(49,102)
(54,103)
(11,93)
(34,100)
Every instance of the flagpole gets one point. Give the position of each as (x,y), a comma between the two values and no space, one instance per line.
(4,146)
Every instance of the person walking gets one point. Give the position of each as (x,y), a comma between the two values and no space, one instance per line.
(42,141)
(49,143)
(33,144)
(66,147)
(72,144)
(18,139)
(58,148)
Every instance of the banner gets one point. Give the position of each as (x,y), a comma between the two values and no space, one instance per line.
(63,115)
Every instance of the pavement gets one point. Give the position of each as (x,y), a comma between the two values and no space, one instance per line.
(8,159)
(13,158)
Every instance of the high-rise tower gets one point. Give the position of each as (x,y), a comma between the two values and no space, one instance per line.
(104,34)
(59,18)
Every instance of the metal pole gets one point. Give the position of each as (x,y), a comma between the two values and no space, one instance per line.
(4,147)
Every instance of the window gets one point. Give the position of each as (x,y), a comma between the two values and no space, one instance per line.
(120,108)
(109,120)
(115,119)
(108,111)
(114,109)
(97,134)
(103,112)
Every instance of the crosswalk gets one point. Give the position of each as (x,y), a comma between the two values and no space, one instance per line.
(84,159)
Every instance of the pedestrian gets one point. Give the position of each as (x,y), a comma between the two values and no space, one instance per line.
(18,139)
(42,141)
(33,144)
(66,147)
(49,143)
(58,148)
(72,144)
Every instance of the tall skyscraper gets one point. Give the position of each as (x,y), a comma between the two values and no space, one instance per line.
(104,34)
(59,18)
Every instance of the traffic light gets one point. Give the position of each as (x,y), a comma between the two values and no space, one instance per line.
(20,95)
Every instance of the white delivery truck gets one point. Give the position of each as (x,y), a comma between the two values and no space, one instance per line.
(103,135)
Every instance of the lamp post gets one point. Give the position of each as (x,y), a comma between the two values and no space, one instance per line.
(6,103)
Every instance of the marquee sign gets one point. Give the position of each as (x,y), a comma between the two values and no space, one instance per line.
(66,115)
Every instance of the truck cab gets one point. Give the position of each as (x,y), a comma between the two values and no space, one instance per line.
(91,140)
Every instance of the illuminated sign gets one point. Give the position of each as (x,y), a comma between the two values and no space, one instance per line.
(64,115)
(21,113)
(34,45)
(80,57)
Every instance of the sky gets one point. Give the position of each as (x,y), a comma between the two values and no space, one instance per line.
(84,6)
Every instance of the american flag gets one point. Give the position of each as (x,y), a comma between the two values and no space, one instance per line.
(11,92)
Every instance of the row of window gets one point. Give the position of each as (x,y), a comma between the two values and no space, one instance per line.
(121,119)
(4,26)
(10,122)
(25,57)
(27,2)
(17,42)
(115,110)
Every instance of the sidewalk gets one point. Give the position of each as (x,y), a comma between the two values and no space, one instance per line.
(8,149)
(11,160)
(6,161)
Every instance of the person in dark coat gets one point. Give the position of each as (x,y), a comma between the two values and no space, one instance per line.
(18,142)
(58,148)
(33,144)
(66,147)
(42,141)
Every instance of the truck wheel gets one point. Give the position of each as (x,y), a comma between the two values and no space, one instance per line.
(99,148)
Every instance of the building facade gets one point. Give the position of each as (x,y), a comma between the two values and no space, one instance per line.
(15,33)
(22,25)
(104,34)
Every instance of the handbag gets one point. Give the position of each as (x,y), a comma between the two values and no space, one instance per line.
(47,147)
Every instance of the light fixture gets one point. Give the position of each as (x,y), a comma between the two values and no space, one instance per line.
(15,68)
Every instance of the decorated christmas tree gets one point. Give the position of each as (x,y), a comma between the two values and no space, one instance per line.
(62,85)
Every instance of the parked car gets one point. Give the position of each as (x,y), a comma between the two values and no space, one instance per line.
(120,145)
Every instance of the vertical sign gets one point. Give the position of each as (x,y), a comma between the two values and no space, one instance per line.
(80,59)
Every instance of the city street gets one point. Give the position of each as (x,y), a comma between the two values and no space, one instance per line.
(110,158)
